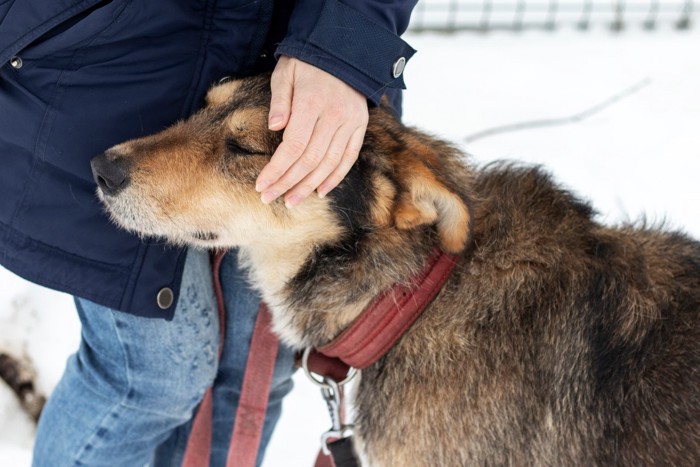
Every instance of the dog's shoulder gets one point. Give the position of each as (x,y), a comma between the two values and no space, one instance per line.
(522,216)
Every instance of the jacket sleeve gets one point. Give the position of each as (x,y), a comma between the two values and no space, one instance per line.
(359,44)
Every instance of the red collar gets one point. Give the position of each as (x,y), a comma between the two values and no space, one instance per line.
(384,321)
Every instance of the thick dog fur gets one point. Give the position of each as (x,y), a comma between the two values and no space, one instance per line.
(556,341)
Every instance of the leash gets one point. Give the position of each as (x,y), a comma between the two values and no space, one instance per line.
(331,366)
(252,405)
(336,443)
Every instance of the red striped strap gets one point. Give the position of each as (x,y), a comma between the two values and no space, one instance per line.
(252,405)
(198,447)
(250,415)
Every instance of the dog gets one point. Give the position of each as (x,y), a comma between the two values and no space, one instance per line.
(555,340)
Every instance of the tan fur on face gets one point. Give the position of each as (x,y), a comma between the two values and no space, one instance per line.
(180,208)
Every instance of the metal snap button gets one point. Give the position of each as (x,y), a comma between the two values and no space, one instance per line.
(16,63)
(165,298)
(398,67)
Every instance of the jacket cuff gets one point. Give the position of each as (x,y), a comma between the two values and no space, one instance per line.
(348,44)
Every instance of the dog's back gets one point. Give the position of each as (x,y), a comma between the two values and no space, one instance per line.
(556,342)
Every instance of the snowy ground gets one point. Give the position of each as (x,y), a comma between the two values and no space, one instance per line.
(639,155)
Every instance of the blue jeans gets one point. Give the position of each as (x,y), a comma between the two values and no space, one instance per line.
(128,395)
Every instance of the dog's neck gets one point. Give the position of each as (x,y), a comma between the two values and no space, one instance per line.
(333,256)
(271,269)
(314,294)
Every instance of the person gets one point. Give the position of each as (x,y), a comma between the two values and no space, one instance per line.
(79,76)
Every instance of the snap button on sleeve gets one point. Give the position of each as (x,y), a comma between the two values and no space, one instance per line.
(16,62)
(398,67)
(165,298)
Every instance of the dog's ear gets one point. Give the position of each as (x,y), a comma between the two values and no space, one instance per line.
(427,201)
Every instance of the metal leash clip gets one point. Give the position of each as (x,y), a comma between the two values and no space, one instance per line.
(331,394)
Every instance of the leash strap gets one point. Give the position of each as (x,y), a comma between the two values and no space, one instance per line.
(252,405)
(342,455)
(198,447)
(250,416)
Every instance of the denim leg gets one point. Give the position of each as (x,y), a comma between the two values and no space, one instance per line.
(241,309)
(127,396)
(132,381)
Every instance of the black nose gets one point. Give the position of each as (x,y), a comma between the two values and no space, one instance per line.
(110,173)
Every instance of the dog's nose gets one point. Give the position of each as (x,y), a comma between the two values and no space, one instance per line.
(111,174)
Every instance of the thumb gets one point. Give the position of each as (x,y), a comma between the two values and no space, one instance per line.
(282,87)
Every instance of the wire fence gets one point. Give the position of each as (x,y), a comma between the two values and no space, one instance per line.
(490,15)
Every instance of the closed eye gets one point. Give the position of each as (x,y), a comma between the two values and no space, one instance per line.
(235,147)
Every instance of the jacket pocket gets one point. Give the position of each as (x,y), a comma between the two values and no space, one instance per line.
(76,31)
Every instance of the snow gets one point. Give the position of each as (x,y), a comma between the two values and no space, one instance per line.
(639,156)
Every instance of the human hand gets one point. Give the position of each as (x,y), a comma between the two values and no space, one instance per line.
(324,122)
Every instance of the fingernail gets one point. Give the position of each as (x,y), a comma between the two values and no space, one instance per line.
(292,201)
(261,185)
(275,120)
(268,197)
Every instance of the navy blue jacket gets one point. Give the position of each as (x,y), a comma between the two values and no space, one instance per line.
(78,76)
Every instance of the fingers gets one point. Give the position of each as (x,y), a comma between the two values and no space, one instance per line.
(282,87)
(352,152)
(337,160)
(296,156)
(327,158)
(324,123)
(295,144)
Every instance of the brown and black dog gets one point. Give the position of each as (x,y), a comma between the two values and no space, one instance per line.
(556,341)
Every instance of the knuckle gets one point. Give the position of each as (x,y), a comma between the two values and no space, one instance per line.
(294,147)
(337,112)
(353,151)
(312,158)
(333,158)
(277,100)
(314,102)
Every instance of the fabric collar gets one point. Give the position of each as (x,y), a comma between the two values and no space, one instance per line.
(384,321)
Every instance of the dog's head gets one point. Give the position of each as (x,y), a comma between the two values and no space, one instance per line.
(194,183)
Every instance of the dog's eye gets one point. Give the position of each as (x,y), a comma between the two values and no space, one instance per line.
(235,147)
